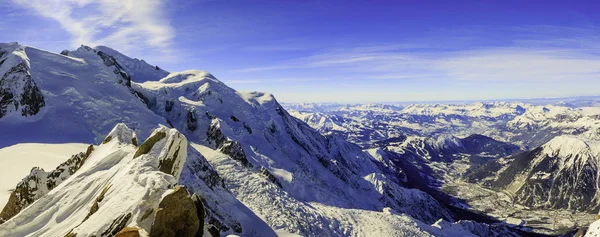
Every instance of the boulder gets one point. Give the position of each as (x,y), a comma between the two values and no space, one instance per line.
(177,216)
(129,232)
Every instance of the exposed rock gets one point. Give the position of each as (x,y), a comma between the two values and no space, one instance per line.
(247,128)
(95,207)
(174,157)
(176,216)
(169,105)
(143,98)
(107,139)
(214,232)
(129,232)
(201,213)
(191,121)
(71,234)
(147,214)
(19,91)
(118,224)
(149,143)
(234,150)
(214,136)
(65,52)
(111,61)
(39,182)
(270,176)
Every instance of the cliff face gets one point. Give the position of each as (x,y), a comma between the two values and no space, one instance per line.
(19,93)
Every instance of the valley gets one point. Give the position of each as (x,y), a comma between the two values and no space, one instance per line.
(567,130)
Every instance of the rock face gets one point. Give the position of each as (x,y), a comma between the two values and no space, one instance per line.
(176,216)
(172,157)
(40,182)
(18,91)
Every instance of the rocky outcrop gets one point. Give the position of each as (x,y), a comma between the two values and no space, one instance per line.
(177,216)
(18,92)
(110,61)
(129,232)
(235,151)
(40,182)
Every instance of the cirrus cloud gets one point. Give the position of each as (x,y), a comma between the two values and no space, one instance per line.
(119,23)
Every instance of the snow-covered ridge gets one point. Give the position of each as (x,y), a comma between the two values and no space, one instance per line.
(138,69)
(566,146)
(119,185)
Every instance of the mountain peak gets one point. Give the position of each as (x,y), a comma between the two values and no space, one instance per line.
(138,69)
(566,145)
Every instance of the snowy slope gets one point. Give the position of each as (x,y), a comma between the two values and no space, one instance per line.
(18,160)
(273,147)
(138,69)
(75,89)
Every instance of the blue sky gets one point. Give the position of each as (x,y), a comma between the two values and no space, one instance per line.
(339,51)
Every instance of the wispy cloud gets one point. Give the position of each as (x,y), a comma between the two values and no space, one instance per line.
(119,23)
(522,64)
(275,80)
(531,58)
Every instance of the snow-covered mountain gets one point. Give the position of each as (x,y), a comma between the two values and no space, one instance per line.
(526,125)
(428,162)
(562,173)
(409,141)
(254,168)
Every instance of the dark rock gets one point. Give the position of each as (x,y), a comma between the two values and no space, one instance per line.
(176,216)
(96,206)
(191,121)
(201,213)
(167,164)
(71,234)
(25,194)
(247,128)
(65,52)
(117,225)
(31,99)
(235,151)
(147,214)
(214,232)
(143,98)
(107,139)
(119,70)
(129,232)
(264,171)
(214,136)
(169,105)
